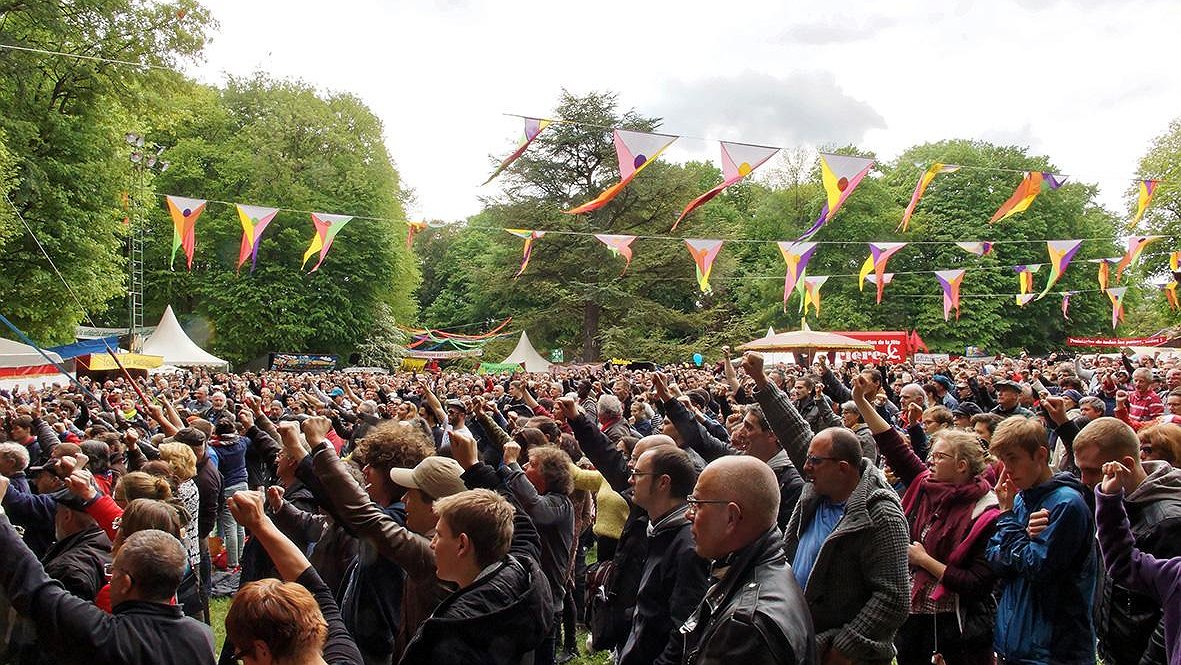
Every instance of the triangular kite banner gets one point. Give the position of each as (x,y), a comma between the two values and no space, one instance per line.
(619,245)
(879,254)
(1024,299)
(738,161)
(704,252)
(254,221)
(1025,276)
(812,292)
(1066,304)
(327,226)
(921,186)
(1170,289)
(1136,245)
(412,229)
(977,248)
(635,150)
(1116,295)
(840,175)
(1146,189)
(184,214)
(533,127)
(796,255)
(1026,192)
(1061,252)
(950,280)
(1104,274)
(528,235)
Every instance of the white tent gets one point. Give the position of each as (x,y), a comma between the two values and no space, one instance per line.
(169,340)
(21,365)
(528,356)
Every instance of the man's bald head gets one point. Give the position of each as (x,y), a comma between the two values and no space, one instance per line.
(751,484)
(648,443)
(737,500)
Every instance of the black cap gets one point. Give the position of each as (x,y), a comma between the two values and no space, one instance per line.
(966,409)
(64,497)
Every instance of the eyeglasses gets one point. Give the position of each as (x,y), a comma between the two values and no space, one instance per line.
(694,502)
(1146,449)
(637,474)
(814,460)
(939,455)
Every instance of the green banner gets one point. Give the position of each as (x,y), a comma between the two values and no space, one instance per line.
(497,368)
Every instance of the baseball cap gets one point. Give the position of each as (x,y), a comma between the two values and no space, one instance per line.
(456,404)
(966,409)
(336,392)
(943,381)
(1005,383)
(1072,394)
(435,476)
(64,497)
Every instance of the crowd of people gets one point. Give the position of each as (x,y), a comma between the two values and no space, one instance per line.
(1000,510)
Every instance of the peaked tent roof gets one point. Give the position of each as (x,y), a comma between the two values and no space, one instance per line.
(526,355)
(169,340)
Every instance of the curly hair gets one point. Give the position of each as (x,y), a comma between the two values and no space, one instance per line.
(393,445)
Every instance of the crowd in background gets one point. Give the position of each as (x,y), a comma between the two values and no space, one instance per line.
(1009,510)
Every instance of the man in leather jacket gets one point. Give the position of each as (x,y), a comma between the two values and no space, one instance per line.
(754,613)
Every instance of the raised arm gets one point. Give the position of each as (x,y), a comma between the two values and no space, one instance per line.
(793,432)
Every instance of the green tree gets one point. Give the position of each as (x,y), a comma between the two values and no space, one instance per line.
(279,144)
(63,121)
(1150,312)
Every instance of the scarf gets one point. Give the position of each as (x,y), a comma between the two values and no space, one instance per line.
(941,517)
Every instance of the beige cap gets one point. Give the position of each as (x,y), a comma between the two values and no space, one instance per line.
(435,476)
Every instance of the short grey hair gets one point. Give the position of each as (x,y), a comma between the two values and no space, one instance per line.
(368,407)
(610,406)
(1093,402)
(15,453)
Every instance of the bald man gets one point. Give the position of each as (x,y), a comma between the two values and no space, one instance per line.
(754,613)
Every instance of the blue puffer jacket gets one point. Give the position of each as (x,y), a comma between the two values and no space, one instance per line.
(1048,582)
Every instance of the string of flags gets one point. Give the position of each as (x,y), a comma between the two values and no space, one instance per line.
(840,175)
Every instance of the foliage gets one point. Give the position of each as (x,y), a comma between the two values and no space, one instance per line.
(278,143)
(63,120)
(1150,312)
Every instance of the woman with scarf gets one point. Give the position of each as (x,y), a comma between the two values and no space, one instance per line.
(952,512)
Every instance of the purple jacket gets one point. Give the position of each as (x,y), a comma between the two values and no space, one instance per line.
(1159,578)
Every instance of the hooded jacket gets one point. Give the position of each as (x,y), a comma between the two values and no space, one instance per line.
(1124,619)
(502,617)
(672,585)
(754,612)
(1047,584)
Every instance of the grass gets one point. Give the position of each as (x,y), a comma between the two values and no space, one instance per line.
(219,606)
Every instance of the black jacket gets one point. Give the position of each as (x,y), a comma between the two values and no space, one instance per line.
(78,562)
(754,615)
(209,490)
(673,582)
(502,617)
(79,632)
(260,458)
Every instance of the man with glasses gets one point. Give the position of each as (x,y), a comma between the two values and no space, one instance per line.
(754,611)
(674,577)
(847,536)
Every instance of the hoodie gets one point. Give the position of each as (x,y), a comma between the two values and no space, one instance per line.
(1125,619)
(1047,584)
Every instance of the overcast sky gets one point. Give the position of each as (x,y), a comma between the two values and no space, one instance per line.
(1087,82)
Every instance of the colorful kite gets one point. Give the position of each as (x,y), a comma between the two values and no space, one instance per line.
(1025,276)
(879,254)
(1066,304)
(635,150)
(840,175)
(950,280)
(1116,295)
(1024,299)
(796,255)
(812,292)
(1105,271)
(977,248)
(528,235)
(619,246)
(184,224)
(1061,252)
(1026,192)
(1147,189)
(254,221)
(921,186)
(1136,245)
(533,127)
(738,161)
(412,229)
(327,226)
(704,252)
(1170,289)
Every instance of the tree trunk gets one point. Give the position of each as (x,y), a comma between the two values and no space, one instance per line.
(590,331)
